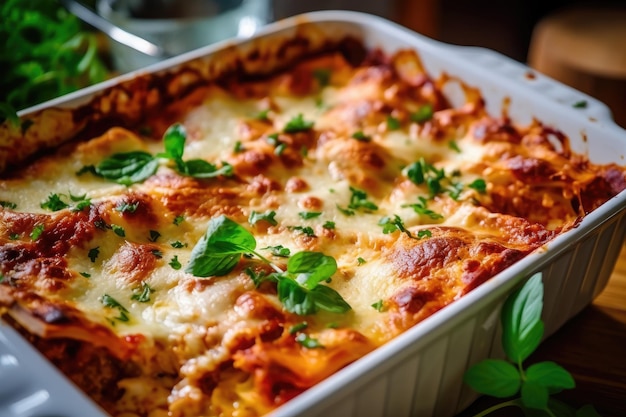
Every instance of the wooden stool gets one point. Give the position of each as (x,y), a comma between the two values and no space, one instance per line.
(586,49)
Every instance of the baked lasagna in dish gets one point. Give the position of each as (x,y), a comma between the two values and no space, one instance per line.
(199,243)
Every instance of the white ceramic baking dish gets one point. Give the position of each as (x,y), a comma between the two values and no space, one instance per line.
(420,372)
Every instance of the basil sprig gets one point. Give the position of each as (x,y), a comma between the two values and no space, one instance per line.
(522,331)
(137,166)
(299,287)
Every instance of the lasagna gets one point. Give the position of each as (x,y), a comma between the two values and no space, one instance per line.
(221,253)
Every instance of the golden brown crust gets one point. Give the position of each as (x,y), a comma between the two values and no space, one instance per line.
(418,202)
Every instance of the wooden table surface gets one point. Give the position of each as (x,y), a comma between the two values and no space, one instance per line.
(592,346)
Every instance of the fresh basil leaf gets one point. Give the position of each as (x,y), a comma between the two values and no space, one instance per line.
(326,298)
(174,142)
(494,377)
(127,168)
(522,328)
(551,376)
(268,216)
(295,298)
(199,168)
(220,248)
(311,268)
(534,395)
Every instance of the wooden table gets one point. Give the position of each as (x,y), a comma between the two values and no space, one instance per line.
(592,346)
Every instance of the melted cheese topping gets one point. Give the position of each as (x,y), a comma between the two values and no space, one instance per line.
(115,278)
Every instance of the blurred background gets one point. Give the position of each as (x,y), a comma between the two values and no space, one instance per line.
(48,52)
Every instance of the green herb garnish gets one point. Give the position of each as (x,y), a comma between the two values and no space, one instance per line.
(322,75)
(268,216)
(142,294)
(358,200)
(8,204)
(378,306)
(422,209)
(423,114)
(522,331)
(46,52)
(393,123)
(118,230)
(111,302)
(278,250)
(360,136)
(54,203)
(220,249)
(175,263)
(36,232)
(93,254)
(124,207)
(308,342)
(307,215)
(298,124)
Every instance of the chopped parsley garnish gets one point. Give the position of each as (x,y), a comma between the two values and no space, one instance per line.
(85,274)
(238,147)
(423,114)
(298,288)
(345,211)
(454,146)
(154,235)
(322,75)
(124,207)
(393,123)
(422,172)
(307,215)
(360,136)
(93,254)
(391,224)
(582,104)
(157,253)
(262,115)
(14,236)
(178,244)
(54,203)
(81,204)
(175,263)
(268,216)
(178,220)
(118,230)
(298,124)
(421,209)
(8,204)
(36,232)
(360,261)
(358,200)
(278,250)
(142,294)
(424,233)
(479,185)
(111,302)
(305,230)
(378,305)
(308,342)
(298,327)
(330,225)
